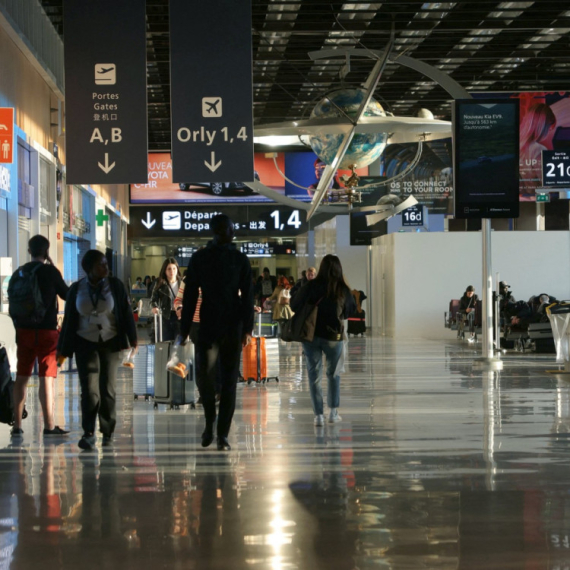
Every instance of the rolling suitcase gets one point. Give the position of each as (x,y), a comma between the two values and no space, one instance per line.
(357,323)
(143,372)
(261,360)
(169,388)
(264,325)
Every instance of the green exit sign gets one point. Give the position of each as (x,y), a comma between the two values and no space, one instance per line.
(543,197)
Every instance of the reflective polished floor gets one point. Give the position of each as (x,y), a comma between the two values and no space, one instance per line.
(435,465)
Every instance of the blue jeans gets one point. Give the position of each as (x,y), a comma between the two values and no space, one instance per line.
(314,351)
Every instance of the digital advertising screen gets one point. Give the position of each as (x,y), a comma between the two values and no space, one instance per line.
(486,158)
(544,126)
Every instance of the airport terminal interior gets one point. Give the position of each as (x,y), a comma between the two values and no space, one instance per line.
(426,145)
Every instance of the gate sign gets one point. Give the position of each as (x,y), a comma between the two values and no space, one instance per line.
(211,90)
(414,216)
(7,135)
(105,91)
(555,169)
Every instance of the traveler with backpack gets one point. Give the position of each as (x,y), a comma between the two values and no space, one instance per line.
(97,325)
(32,294)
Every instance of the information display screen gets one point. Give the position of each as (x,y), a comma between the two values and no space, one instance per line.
(556,168)
(486,158)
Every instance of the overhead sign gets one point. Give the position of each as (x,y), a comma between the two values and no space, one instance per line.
(555,169)
(249,221)
(7,135)
(486,158)
(413,217)
(211,90)
(105,91)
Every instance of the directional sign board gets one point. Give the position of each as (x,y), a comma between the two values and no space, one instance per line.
(251,221)
(105,91)
(211,90)
(7,135)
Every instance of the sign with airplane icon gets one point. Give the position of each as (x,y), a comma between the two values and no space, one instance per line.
(105,73)
(211,107)
(171,220)
(106,135)
(212,119)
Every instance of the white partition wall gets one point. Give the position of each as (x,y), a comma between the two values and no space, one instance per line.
(334,237)
(416,275)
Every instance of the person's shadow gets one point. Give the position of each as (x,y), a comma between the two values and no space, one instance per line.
(220,533)
(325,496)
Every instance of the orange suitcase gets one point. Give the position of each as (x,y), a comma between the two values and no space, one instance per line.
(255,364)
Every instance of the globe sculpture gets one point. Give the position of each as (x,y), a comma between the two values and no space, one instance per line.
(364,148)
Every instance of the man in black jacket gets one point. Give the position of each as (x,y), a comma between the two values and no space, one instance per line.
(226,321)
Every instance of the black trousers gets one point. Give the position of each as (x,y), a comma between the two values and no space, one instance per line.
(219,358)
(97,365)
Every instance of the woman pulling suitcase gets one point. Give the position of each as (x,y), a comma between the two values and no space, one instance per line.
(163,296)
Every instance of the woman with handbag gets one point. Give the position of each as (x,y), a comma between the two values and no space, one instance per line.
(163,296)
(334,301)
(281,301)
(98,324)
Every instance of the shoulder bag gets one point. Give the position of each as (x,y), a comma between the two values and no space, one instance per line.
(301,328)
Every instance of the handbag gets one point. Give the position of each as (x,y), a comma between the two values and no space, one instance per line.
(301,328)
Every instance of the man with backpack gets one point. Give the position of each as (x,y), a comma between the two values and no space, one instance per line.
(32,296)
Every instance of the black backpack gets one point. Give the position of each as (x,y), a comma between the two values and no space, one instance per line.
(26,304)
(7,391)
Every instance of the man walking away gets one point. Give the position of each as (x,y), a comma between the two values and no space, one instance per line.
(223,274)
(32,294)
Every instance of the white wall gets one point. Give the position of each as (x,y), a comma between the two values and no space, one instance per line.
(422,272)
(334,237)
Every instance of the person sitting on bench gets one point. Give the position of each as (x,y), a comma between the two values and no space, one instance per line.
(467,305)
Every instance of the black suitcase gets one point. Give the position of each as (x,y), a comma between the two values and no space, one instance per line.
(169,388)
(357,323)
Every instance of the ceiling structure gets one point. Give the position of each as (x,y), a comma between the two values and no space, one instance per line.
(483,45)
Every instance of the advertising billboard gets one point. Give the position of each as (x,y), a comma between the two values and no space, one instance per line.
(544,125)
(293,174)
(486,158)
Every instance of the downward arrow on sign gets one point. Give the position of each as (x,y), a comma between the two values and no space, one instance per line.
(149,221)
(213,165)
(106,169)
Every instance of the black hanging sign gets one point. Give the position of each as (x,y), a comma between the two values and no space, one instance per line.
(105,92)
(211,90)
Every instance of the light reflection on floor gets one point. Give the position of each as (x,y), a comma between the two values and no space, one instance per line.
(434,465)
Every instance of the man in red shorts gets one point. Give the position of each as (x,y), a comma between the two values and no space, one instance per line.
(37,335)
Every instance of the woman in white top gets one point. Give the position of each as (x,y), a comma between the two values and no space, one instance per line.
(98,324)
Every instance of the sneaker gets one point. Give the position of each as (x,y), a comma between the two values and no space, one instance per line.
(334,416)
(88,441)
(16,432)
(55,431)
(107,440)
(319,420)
(471,339)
